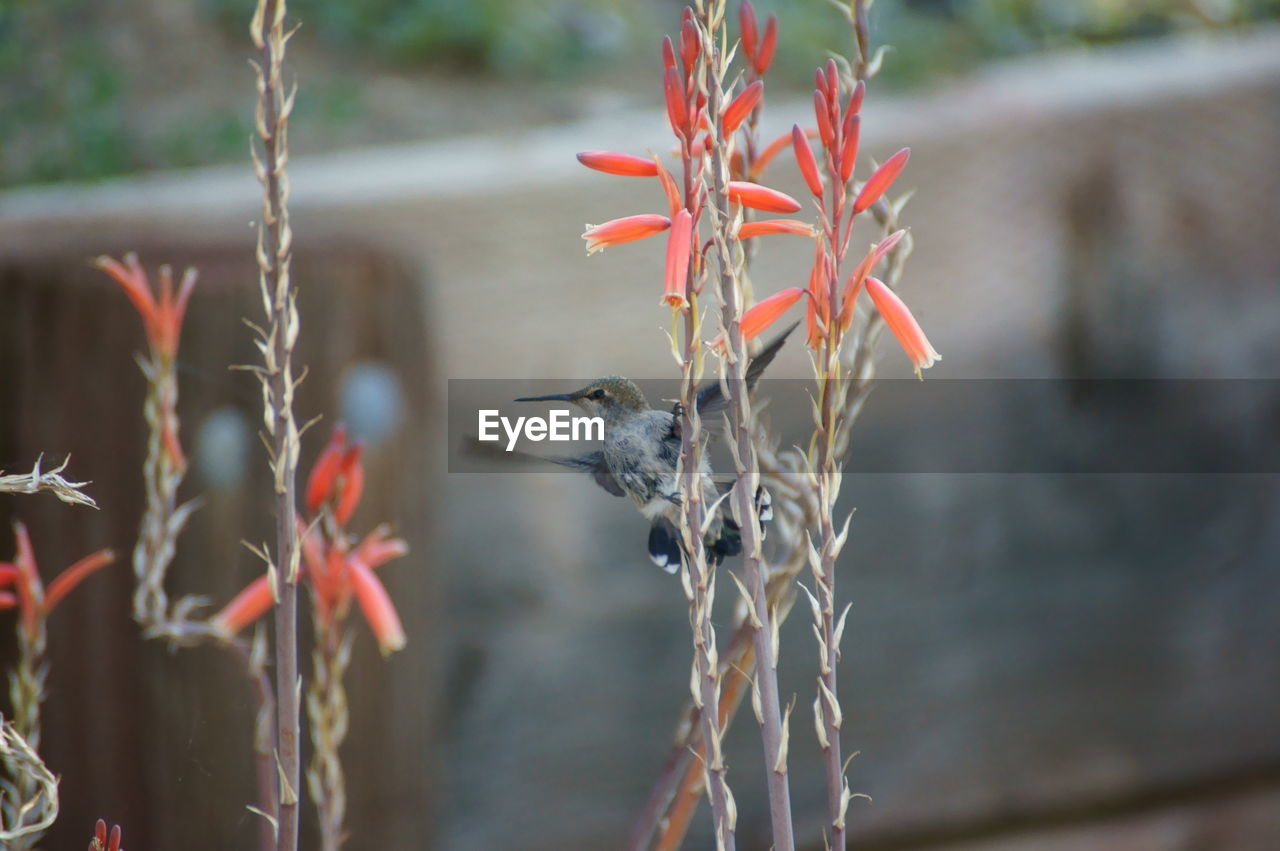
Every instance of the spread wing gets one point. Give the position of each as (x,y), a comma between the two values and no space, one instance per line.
(593,464)
(711,399)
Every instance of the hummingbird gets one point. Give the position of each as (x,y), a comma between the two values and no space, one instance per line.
(640,454)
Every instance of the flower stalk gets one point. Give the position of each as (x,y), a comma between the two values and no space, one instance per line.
(697,574)
(733,316)
(25,816)
(276,343)
(164,518)
(24,801)
(337,574)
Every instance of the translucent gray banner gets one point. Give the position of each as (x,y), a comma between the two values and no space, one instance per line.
(1155,426)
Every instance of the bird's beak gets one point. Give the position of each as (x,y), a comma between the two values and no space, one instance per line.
(554,397)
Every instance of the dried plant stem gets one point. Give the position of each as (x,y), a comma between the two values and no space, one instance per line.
(698,578)
(50,481)
(31,797)
(163,520)
(276,342)
(765,700)
(680,796)
(328,717)
(26,692)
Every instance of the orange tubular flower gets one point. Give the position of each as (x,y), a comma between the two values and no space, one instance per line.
(761,197)
(737,111)
(880,180)
(772,149)
(804,159)
(161,320)
(767,311)
(377,607)
(761,315)
(854,282)
(819,299)
(679,247)
(669,188)
(377,549)
(625,165)
(903,325)
(626,229)
(245,608)
(336,575)
(67,580)
(31,599)
(747,230)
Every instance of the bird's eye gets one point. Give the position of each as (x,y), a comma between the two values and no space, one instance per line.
(597,394)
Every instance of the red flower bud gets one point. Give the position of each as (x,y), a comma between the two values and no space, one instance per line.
(855,98)
(761,197)
(325,472)
(880,180)
(804,159)
(677,108)
(849,146)
(747,230)
(741,107)
(611,162)
(820,112)
(352,485)
(668,53)
(747,27)
(690,42)
(768,44)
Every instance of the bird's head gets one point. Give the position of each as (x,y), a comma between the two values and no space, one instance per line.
(611,397)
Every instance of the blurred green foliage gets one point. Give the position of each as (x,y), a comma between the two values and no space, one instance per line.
(69,91)
(541,37)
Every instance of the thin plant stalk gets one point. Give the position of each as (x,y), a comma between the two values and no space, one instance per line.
(26,691)
(329,720)
(276,343)
(164,518)
(26,818)
(773,726)
(698,577)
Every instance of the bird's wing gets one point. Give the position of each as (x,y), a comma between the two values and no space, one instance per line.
(711,399)
(592,463)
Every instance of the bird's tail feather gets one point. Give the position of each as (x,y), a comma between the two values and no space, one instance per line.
(723,541)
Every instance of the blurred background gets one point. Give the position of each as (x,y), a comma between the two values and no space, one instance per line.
(1037,657)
